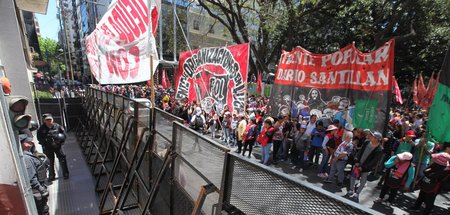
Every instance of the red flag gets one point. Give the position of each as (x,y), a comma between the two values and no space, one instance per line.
(164,80)
(421,91)
(167,80)
(259,82)
(398,94)
(414,91)
(431,91)
(430,83)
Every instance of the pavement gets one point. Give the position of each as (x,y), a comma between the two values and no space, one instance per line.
(75,195)
(402,202)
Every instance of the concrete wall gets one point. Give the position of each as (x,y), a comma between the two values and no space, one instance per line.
(12,53)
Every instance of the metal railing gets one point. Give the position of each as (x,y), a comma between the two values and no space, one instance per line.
(175,170)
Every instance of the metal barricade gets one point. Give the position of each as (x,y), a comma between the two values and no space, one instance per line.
(175,170)
(254,188)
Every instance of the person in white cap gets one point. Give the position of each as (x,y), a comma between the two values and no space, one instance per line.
(401,175)
(52,136)
(328,147)
(198,120)
(340,158)
(365,161)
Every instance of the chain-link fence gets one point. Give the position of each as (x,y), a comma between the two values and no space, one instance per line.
(256,189)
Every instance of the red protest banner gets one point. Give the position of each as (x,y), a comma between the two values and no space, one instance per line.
(214,76)
(347,85)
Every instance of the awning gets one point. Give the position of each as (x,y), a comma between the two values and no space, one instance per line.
(35,6)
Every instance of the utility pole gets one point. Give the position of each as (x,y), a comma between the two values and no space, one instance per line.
(68,50)
(174,31)
(61,20)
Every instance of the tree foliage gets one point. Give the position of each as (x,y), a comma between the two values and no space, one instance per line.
(421,28)
(50,53)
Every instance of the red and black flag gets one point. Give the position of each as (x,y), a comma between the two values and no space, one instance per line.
(214,77)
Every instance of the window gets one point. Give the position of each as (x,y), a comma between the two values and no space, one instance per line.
(211,29)
(196,25)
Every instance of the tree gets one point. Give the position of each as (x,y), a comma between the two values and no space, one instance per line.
(421,28)
(50,53)
(167,16)
(267,24)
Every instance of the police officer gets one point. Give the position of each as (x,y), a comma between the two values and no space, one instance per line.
(37,171)
(51,136)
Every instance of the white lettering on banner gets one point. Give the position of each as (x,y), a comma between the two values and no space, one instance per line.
(297,58)
(123,40)
(382,54)
(213,84)
(342,77)
(291,75)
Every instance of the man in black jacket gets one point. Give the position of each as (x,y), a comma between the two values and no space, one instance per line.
(52,136)
(365,161)
(33,165)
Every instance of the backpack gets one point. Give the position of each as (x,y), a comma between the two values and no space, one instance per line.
(393,180)
(198,122)
(331,142)
(431,182)
(252,133)
(44,163)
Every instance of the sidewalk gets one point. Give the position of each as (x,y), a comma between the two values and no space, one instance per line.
(75,195)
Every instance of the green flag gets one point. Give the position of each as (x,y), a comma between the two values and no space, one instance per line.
(439,118)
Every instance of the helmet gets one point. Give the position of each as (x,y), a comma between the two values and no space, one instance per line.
(33,125)
(60,138)
(410,133)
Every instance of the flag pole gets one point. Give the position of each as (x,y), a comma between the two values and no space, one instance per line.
(152,76)
(419,162)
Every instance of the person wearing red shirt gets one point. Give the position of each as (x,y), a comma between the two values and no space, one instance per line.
(265,139)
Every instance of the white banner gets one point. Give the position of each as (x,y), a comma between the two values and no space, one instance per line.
(120,47)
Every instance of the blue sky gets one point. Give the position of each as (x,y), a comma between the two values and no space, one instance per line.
(49,24)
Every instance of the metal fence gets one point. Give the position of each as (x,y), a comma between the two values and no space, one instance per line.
(182,172)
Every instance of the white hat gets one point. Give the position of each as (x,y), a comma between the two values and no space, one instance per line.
(349,127)
(332,127)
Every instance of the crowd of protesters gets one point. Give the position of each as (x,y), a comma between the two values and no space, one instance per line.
(58,87)
(405,157)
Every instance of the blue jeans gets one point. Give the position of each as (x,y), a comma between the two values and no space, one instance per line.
(233,137)
(265,155)
(226,135)
(324,163)
(285,148)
